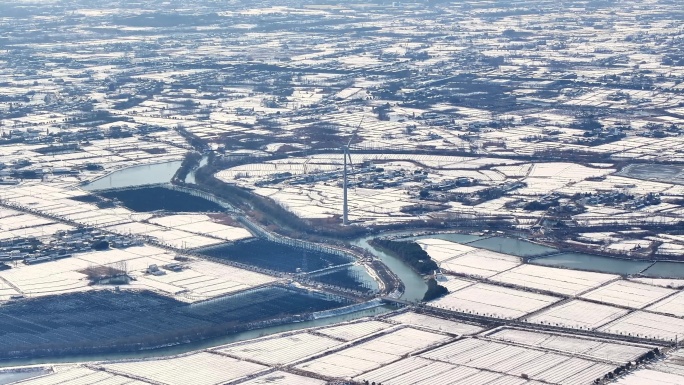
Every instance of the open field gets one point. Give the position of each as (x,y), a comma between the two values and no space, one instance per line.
(578,314)
(60,200)
(434,323)
(494,301)
(281,350)
(647,325)
(515,360)
(481,263)
(629,294)
(561,281)
(672,305)
(197,280)
(183,370)
(618,353)
(354,330)
(373,354)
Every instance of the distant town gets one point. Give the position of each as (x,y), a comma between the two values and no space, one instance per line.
(315,192)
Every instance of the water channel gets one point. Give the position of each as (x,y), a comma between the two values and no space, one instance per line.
(146,174)
(136,176)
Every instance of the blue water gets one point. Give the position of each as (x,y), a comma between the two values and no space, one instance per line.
(666,269)
(590,262)
(136,176)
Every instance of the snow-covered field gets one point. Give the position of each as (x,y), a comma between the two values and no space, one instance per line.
(354,330)
(281,350)
(421,371)
(628,294)
(673,305)
(197,368)
(434,323)
(562,281)
(481,263)
(373,354)
(493,301)
(577,314)
(180,231)
(197,281)
(517,360)
(648,376)
(649,325)
(618,353)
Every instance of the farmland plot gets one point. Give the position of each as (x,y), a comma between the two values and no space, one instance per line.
(372,354)
(651,377)
(516,360)
(283,378)
(481,263)
(494,301)
(578,314)
(562,281)
(81,376)
(434,323)
(355,330)
(610,351)
(197,369)
(649,325)
(629,294)
(673,305)
(441,250)
(281,350)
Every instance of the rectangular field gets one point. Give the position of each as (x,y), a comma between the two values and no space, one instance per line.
(280,350)
(647,325)
(630,294)
(494,301)
(441,250)
(355,330)
(578,314)
(519,361)
(673,305)
(197,369)
(434,323)
(651,377)
(562,281)
(618,353)
(481,263)
(372,354)
(81,376)
(282,378)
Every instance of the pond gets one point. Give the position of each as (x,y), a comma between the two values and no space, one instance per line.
(136,176)
(146,199)
(274,256)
